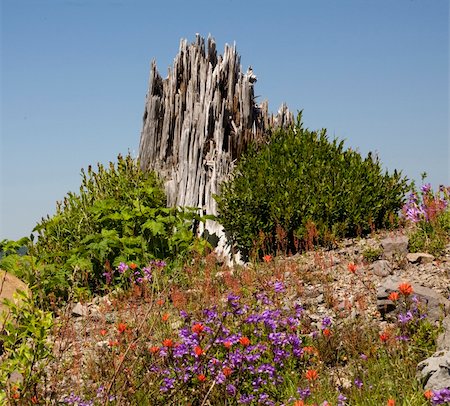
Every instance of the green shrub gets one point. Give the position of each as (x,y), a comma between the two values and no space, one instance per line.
(119,215)
(300,188)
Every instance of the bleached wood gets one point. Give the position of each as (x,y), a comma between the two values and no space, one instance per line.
(199,120)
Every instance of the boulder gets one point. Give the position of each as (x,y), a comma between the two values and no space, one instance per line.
(436,304)
(381,268)
(395,246)
(420,258)
(434,372)
(80,310)
(9,285)
(443,340)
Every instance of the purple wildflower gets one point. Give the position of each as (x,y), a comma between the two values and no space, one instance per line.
(278,287)
(122,267)
(441,396)
(341,400)
(405,318)
(304,393)
(358,383)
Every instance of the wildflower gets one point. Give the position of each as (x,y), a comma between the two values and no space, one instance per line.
(244,341)
(384,336)
(358,383)
(405,289)
(160,302)
(391,402)
(122,267)
(227,371)
(352,267)
(165,317)
(309,350)
(198,351)
(363,357)
(441,397)
(298,403)
(326,332)
(326,322)
(405,318)
(154,349)
(278,287)
(133,266)
(201,377)
(341,399)
(267,258)
(168,343)
(311,374)
(428,394)
(231,390)
(121,327)
(34,400)
(103,332)
(304,393)
(393,296)
(227,344)
(112,343)
(198,328)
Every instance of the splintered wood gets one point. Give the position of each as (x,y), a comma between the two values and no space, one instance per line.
(199,120)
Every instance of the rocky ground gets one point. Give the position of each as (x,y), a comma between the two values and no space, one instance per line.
(352,281)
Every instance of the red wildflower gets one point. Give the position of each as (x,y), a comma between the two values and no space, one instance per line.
(34,400)
(112,343)
(267,258)
(133,266)
(384,336)
(154,349)
(393,296)
(244,341)
(201,377)
(227,344)
(311,374)
(227,371)
(405,289)
(121,327)
(428,394)
(198,351)
(391,402)
(103,332)
(168,343)
(299,403)
(326,332)
(309,349)
(198,328)
(165,317)
(160,302)
(352,267)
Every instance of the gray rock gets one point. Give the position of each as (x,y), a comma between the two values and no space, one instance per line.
(443,340)
(80,310)
(434,372)
(395,246)
(381,268)
(420,258)
(16,378)
(436,304)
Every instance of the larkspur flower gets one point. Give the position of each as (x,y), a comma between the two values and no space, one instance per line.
(358,383)
(278,287)
(405,318)
(122,267)
(441,397)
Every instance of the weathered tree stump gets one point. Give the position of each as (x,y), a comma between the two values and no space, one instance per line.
(198,121)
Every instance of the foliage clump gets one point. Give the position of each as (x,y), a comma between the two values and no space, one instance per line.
(119,215)
(300,188)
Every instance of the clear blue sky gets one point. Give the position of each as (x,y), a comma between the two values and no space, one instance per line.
(74,75)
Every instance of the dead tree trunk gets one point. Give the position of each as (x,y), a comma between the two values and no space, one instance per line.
(198,121)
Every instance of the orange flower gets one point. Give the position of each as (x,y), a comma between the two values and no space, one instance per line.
(103,332)
(160,302)
(309,349)
(428,394)
(311,374)
(405,289)
(165,317)
(16,395)
(133,265)
(112,343)
(391,402)
(326,332)
(227,371)
(121,327)
(227,344)
(154,349)
(299,403)
(267,258)
(168,343)
(198,328)
(244,341)
(201,377)
(384,336)
(34,400)
(352,267)
(198,351)
(393,296)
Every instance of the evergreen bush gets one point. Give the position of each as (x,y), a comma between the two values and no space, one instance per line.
(300,188)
